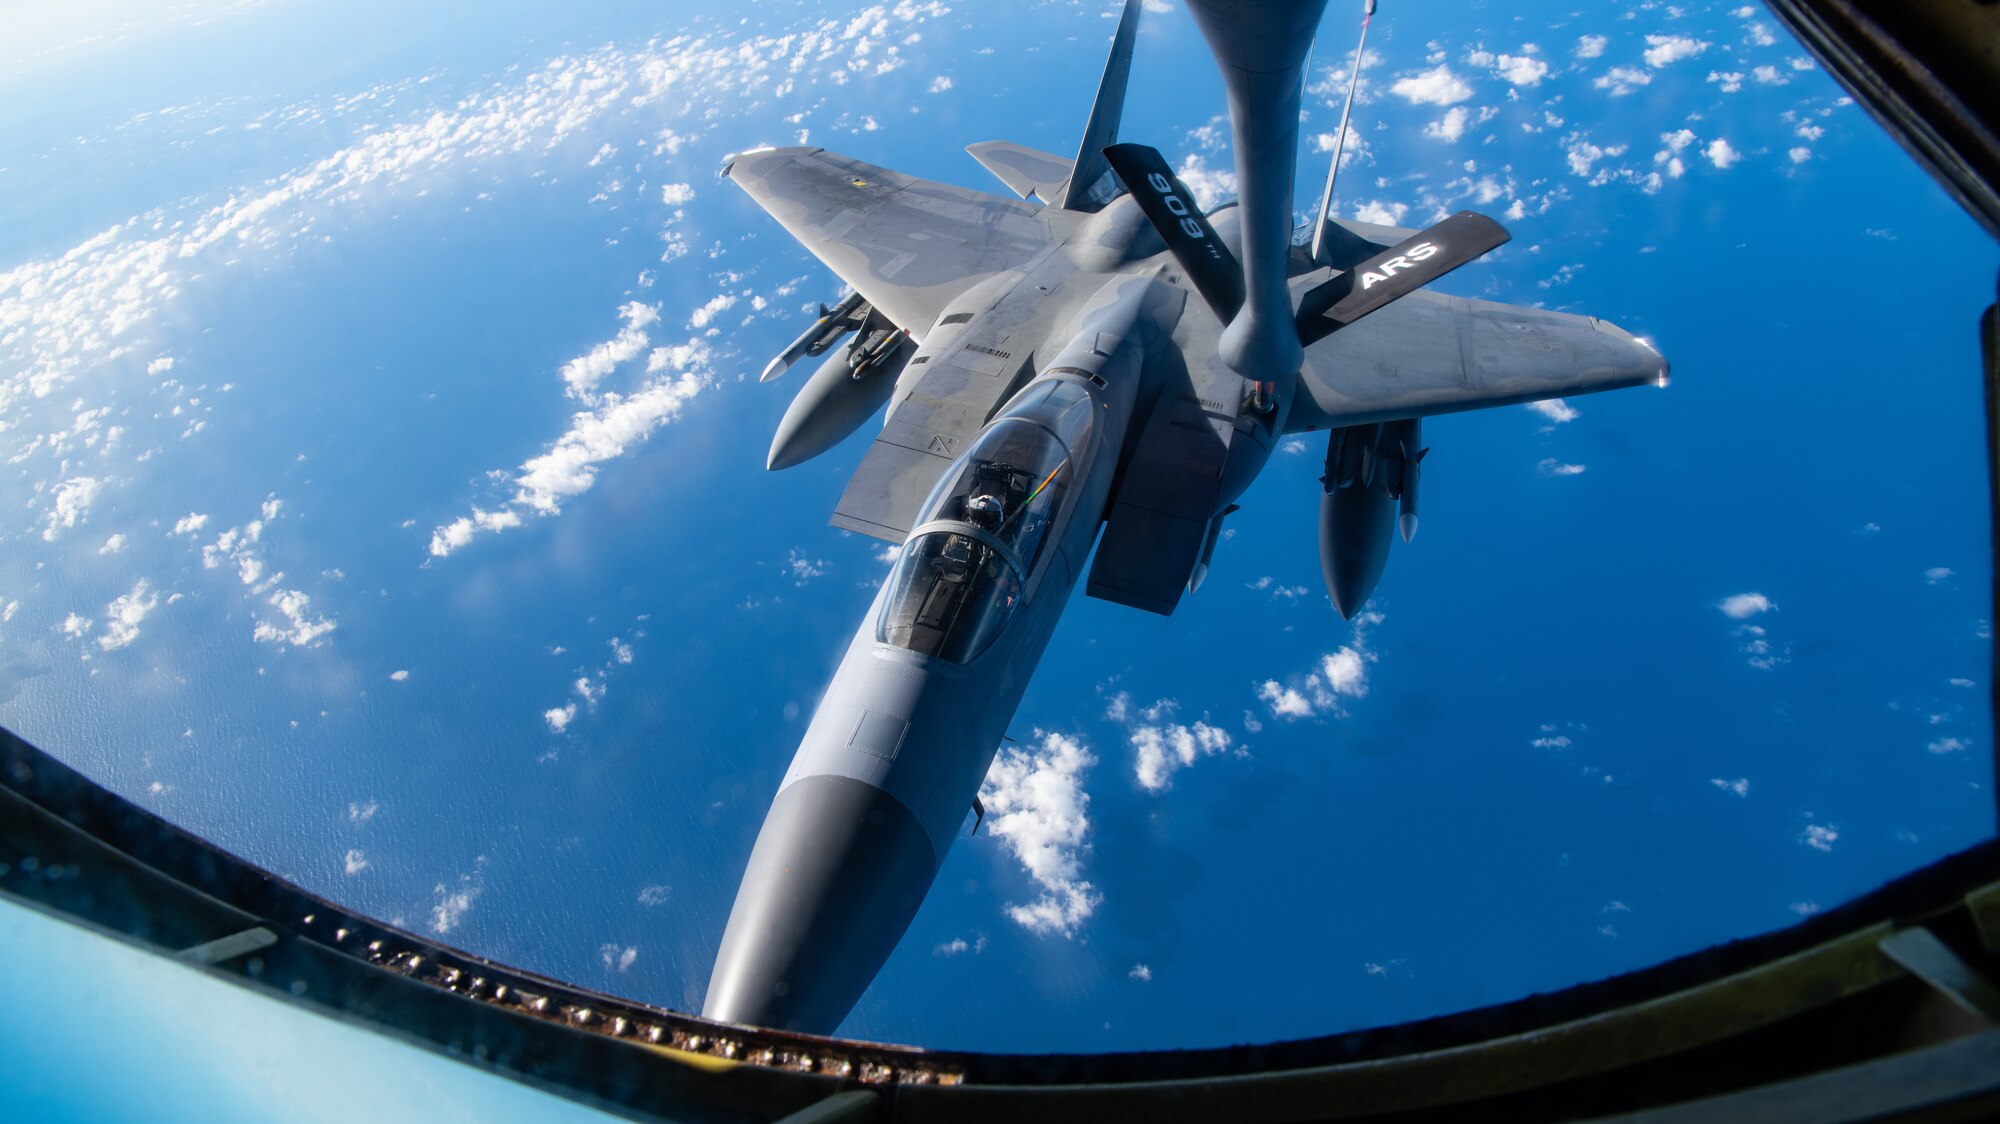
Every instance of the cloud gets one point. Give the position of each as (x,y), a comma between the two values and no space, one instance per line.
(959,946)
(1037,808)
(1164,749)
(1819,836)
(1720,153)
(355,862)
(1523,70)
(559,717)
(1340,674)
(1622,80)
(1211,186)
(618,958)
(72,504)
(656,894)
(399,676)
(675,376)
(1556,410)
(1936,574)
(676,194)
(1451,126)
(940,84)
(1943,746)
(1437,86)
(1141,973)
(1738,787)
(454,900)
(1549,466)
(1381,214)
(298,626)
(123,616)
(1731,80)
(190,523)
(581,375)
(1663,50)
(1590,46)
(1743,606)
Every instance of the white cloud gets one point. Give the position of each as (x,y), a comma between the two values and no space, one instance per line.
(569,468)
(298,626)
(355,862)
(190,523)
(656,894)
(362,811)
(72,504)
(617,958)
(940,84)
(1162,750)
(1622,80)
(1662,50)
(1743,606)
(581,375)
(559,717)
(399,676)
(1943,746)
(161,365)
(454,900)
(1340,674)
(1451,126)
(1140,972)
(1937,574)
(1738,787)
(1770,76)
(1590,46)
(112,545)
(1523,70)
(715,306)
(1211,186)
(1720,153)
(676,194)
(1556,410)
(1036,805)
(123,616)
(1381,214)
(76,624)
(1730,80)
(1549,466)
(1437,86)
(1819,836)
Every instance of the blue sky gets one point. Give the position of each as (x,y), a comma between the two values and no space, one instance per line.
(384,468)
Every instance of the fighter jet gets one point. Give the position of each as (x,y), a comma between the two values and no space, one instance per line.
(1098,362)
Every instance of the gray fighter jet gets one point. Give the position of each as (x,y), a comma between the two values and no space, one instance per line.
(1098,358)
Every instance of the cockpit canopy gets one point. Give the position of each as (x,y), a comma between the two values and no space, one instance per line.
(985,526)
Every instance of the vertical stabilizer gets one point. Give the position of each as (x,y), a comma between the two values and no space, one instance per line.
(1091,185)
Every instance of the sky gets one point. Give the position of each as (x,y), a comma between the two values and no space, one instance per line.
(384,500)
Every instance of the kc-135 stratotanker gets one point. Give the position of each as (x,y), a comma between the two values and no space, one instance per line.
(1098,362)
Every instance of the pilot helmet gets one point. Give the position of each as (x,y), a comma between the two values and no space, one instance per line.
(983,510)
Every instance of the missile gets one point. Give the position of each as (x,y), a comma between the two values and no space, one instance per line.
(826,331)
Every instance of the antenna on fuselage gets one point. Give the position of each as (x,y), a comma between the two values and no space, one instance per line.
(1340,138)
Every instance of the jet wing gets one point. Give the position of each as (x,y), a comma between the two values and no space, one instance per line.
(909,246)
(1434,354)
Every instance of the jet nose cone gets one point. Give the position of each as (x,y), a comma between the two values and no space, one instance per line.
(835,878)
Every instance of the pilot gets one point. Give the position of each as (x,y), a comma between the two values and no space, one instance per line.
(985,512)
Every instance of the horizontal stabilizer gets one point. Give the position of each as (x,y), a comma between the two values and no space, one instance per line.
(1026,171)
(1401,269)
(1170,207)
